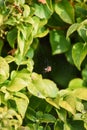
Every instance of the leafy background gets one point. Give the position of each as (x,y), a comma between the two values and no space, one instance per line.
(43,65)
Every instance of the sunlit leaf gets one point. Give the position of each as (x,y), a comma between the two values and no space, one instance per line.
(67,126)
(21,2)
(21,95)
(19,81)
(72,29)
(11,21)
(83,32)
(81,93)
(9,59)
(17,84)
(54,102)
(21,105)
(42,11)
(66,106)
(65,10)
(11,113)
(28,42)
(1,19)
(42,88)
(75,83)
(79,53)
(71,100)
(24,38)
(29,63)
(26,11)
(21,42)
(79,107)
(4,70)
(39,29)
(42,32)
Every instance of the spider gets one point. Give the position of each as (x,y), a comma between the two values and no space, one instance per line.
(48,69)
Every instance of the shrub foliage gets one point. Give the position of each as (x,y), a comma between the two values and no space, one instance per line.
(43,64)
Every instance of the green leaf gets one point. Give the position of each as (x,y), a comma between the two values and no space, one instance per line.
(15,114)
(65,10)
(54,102)
(79,52)
(48,127)
(83,32)
(72,29)
(81,93)
(21,95)
(1,19)
(21,2)
(59,44)
(79,107)
(39,29)
(1,3)
(26,11)
(24,38)
(42,88)
(48,118)
(30,53)
(49,5)
(19,80)
(29,62)
(74,125)
(42,11)
(21,42)
(11,37)
(4,70)
(9,58)
(68,103)
(16,84)
(71,100)
(68,55)
(42,32)
(84,75)
(67,126)
(28,42)
(62,114)
(75,83)
(58,125)
(31,114)
(21,105)
(39,115)
(11,21)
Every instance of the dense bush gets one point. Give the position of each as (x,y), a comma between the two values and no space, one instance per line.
(43,65)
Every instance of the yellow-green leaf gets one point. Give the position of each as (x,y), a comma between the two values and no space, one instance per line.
(81,93)
(66,106)
(21,105)
(42,88)
(4,70)
(75,83)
